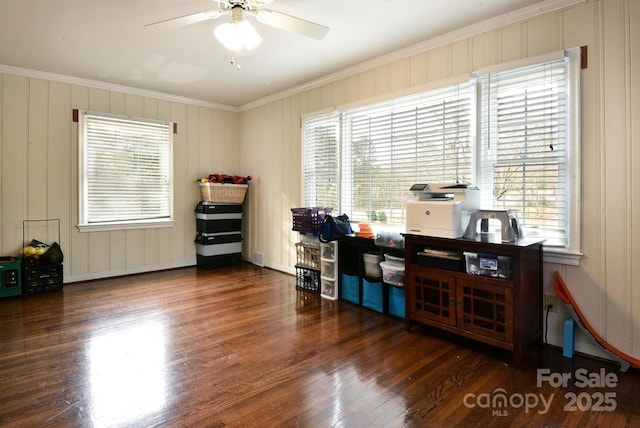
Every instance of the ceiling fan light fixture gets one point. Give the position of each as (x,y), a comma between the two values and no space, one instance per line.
(238,33)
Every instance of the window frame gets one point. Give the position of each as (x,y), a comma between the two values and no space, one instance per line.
(569,254)
(84,223)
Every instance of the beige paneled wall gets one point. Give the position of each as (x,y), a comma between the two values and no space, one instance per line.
(38,159)
(39,175)
(604,282)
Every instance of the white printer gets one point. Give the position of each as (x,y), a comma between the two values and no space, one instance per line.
(441,210)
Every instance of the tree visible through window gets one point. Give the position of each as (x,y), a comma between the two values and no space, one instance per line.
(519,154)
(374,154)
(125,172)
(524,146)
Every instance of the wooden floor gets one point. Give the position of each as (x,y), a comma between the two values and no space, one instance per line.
(240,347)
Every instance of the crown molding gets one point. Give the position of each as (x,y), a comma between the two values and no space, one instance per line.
(520,15)
(111,87)
(500,21)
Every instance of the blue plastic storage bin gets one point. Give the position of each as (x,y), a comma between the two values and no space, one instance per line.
(349,289)
(396,301)
(372,295)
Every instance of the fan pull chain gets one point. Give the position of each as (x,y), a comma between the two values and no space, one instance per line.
(233,62)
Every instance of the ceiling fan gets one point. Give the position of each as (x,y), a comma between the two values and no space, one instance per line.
(239,9)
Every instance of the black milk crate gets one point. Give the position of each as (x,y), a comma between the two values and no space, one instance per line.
(309,220)
(308,280)
(40,278)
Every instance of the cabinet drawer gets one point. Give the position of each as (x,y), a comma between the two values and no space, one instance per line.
(220,225)
(328,269)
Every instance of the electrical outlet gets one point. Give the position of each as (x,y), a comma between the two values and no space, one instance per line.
(551,300)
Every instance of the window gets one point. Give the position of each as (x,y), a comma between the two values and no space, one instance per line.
(524,147)
(391,146)
(321,157)
(512,131)
(367,168)
(125,173)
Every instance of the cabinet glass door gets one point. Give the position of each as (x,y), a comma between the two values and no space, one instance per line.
(434,294)
(486,309)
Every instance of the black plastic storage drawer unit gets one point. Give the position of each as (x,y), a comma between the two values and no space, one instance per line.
(219,238)
(218,218)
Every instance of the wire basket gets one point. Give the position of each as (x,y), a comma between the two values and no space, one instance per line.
(308,255)
(226,193)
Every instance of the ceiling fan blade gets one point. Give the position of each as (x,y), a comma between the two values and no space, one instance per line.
(292,24)
(185,20)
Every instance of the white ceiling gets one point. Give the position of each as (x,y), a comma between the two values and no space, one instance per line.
(106,41)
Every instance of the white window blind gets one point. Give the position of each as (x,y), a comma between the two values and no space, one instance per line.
(389,146)
(125,171)
(321,160)
(524,147)
(514,133)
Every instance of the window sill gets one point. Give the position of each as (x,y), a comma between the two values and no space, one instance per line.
(563,257)
(147,224)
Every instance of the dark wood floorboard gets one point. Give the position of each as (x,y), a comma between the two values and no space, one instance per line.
(241,347)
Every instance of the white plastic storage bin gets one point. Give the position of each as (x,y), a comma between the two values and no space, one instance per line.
(393,273)
(393,259)
(390,239)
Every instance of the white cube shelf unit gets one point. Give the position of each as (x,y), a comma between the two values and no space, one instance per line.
(329,270)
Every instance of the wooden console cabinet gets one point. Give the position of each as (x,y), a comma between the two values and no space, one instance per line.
(506,313)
